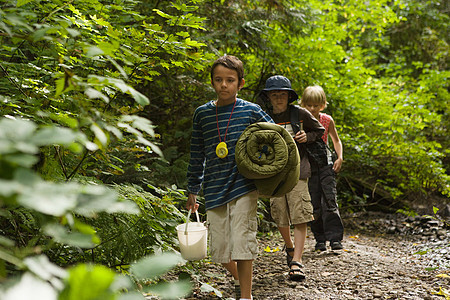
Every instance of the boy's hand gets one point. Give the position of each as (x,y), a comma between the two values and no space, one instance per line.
(337,165)
(191,203)
(300,137)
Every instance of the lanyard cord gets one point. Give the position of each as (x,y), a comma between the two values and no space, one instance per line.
(217,120)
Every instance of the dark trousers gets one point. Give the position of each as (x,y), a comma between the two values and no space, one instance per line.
(327,224)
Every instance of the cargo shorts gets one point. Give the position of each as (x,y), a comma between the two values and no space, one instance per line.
(294,207)
(232,230)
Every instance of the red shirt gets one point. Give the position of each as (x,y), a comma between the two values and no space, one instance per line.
(325,120)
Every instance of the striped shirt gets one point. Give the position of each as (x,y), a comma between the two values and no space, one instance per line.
(219,177)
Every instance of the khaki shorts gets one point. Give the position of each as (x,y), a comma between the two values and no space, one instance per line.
(293,208)
(232,230)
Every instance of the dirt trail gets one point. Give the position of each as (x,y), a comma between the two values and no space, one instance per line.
(369,267)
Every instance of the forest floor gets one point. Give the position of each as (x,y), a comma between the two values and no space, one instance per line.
(412,262)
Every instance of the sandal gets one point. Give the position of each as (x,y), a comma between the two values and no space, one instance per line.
(296,274)
(288,256)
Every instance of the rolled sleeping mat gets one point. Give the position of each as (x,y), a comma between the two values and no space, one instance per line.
(267,153)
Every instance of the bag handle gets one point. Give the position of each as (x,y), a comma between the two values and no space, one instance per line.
(188,218)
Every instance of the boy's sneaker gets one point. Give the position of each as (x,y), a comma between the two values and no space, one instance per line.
(336,245)
(320,246)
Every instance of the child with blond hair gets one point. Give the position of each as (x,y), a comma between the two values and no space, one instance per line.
(327,224)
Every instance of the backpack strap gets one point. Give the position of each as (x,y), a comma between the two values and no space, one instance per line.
(317,149)
(294,118)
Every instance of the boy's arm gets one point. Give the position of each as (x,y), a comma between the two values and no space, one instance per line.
(262,116)
(337,145)
(197,159)
(191,203)
(314,130)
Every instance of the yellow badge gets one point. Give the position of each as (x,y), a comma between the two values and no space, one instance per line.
(221,150)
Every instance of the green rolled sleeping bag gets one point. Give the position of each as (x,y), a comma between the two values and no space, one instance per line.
(267,153)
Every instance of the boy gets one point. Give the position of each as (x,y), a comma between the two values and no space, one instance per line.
(327,225)
(295,207)
(230,198)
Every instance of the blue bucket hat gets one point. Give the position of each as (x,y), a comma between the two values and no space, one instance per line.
(280,83)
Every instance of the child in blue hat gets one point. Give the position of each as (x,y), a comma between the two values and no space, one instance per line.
(294,208)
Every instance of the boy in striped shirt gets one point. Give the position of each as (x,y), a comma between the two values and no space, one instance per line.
(230,198)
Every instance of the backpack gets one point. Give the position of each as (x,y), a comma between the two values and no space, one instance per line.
(317,150)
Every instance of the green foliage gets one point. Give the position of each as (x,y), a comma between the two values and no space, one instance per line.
(81,81)
(54,210)
(126,238)
(406,212)
(45,280)
(390,105)
(70,94)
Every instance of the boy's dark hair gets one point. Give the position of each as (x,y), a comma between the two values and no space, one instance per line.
(230,62)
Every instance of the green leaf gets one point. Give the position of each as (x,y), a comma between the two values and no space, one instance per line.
(60,83)
(48,198)
(93,199)
(16,130)
(162,14)
(154,266)
(118,67)
(94,94)
(99,134)
(4,241)
(65,119)
(23,160)
(62,235)
(87,282)
(8,257)
(435,210)
(210,289)
(93,51)
(42,267)
(132,296)
(53,135)
(140,123)
(6,28)
(30,287)
(22,2)
(73,32)
(140,98)
(122,86)
(172,290)
(155,148)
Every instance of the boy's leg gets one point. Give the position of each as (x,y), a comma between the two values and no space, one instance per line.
(245,270)
(243,228)
(219,238)
(279,210)
(242,270)
(299,241)
(301,212)
(315,190)
(232,268)
(232,229)
(332,222)
(286,235)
